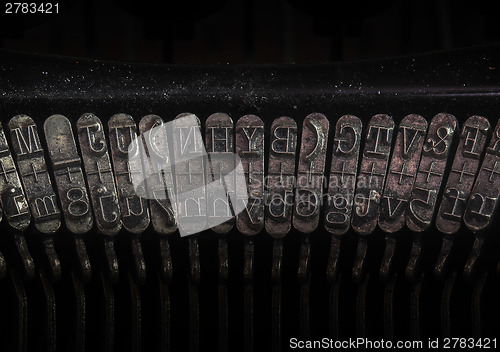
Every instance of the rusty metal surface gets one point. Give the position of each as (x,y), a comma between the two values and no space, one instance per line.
(483,200)
(397,190)
(67,167)
(219,144)
(190,161)
(155,155)
(102,187)
(343,174)
(16,209)
(308,201)
(281,176)
(37,184)
(99,173)
(435,155)
(310,173)
(402,171)
(250,149)
(13,198)
(127,165)
(458,187)
(33,171)
(125,155)
(462,174)
(372,173)
(70,183)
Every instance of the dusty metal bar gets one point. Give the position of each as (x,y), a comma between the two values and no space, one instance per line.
(80,314)
(279,208)
(446,319)
(190,160)
(459,185)
(108,313)
(248,277)
(102,187)
(483,201)
(27,262)
(21,312)
(70,183)
(194,301)
(310,173)
(476,305)
(250,149)
(50,312)
(37,185)
(165,321)
(220,166)
(373,169)
(361,328)
(333,310)
(128,173)
(223,293)
(308,201)
(276,294)
(389,321)
(136,316)
(415,308)
(219,143)
(343,174)
(15,207)
(280,176)
(398,185)
(156,159)
(338,212)
(303,277)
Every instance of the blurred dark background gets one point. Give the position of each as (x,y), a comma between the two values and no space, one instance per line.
(250,31)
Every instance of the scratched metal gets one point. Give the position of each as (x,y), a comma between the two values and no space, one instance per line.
(126,159)
(12,195)
(33,170)
(343,172)
(158,174)
(99,174)
(483,201)
(372,174)
(310,173)
(67,170)
(435,153)
(219,144)
(190,159)
(462,174)
(402,171)
(280,177)
(250,149)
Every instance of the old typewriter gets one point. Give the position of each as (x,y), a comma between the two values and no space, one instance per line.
(369,219)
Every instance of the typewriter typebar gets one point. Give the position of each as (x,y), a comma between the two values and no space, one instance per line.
(230,214)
